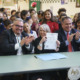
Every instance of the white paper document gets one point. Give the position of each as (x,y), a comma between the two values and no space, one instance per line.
(50,56)
(50,43)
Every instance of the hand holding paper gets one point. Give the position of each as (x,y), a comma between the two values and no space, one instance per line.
(50,43)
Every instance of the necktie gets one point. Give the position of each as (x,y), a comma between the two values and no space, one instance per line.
(69,46)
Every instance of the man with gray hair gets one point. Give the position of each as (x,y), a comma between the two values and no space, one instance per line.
(12,42)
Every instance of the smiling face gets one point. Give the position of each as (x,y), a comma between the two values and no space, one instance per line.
(67,25)
(42,32)
(47,15)
(17,27)
(78,25)
(26,28)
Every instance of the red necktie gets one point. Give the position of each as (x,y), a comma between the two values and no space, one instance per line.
(69,46)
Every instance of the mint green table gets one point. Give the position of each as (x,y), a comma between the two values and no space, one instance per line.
(30,64)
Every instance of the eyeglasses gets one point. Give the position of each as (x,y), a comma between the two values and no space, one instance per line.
(19,26)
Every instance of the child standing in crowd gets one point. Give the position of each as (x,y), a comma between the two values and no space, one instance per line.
(48,19)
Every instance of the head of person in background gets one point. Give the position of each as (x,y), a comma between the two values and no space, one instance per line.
(12,18)
(25,14)
(67,24)
(7,24)
(18,14)
(5,16)
(27,29)
(48,16)
(29,21)
(34,17)
(32,11)
(62,16)
(75,18)
(40,15)
(60,19)
(60,11)
(3,10)
(13,12)
(77,25)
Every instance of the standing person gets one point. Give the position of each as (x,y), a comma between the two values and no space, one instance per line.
(48,19)
(12,41)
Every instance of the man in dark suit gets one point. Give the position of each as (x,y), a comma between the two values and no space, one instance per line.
(12,42)
(63,33)
(67,35)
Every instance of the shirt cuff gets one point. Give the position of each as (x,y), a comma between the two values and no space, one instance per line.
(67,43)
(17,45)
(78,41)
(28,46)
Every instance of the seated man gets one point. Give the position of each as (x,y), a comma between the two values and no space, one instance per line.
(12,41)
(67,36)
(68,40)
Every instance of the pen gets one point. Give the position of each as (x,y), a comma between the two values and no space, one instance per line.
(35,57)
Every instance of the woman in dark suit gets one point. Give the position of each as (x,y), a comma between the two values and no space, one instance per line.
(39,48)
(39,42)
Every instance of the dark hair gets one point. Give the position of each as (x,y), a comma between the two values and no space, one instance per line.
(61,10)
(2,9)
(17,14)
(44,19)
(62,15)
(23,13)
(13,11)
(40,12)
(76,23)
(5,14)
(65,18)
(30,10)
(7,22)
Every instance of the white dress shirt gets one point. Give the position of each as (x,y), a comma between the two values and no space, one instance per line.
(17,45)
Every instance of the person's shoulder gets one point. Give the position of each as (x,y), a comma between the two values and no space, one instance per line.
(38,39)
(34,32)
(73,30)
(58,31)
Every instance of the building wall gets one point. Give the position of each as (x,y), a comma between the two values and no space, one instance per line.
(70,7)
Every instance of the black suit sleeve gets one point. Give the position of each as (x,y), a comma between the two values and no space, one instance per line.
(7,45)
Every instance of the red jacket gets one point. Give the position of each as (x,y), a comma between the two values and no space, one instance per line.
(53,26)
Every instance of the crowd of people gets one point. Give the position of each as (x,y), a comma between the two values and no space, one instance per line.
(25,33)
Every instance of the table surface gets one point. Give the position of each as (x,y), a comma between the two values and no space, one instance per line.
(29,64)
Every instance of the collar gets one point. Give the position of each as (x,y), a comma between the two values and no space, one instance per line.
(66,32)
(17,35)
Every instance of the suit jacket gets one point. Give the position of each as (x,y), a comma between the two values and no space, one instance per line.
(37,51)
(8,41)
(62,38)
